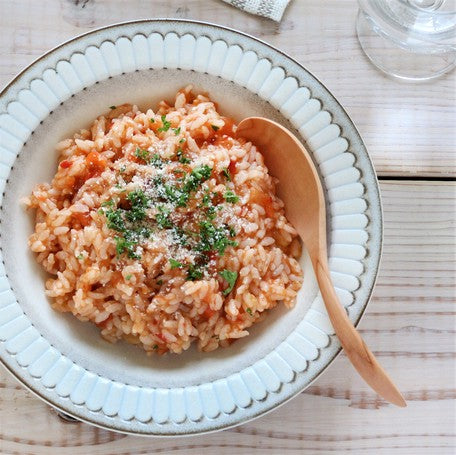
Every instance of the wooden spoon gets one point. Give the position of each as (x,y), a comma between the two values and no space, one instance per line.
(300,189)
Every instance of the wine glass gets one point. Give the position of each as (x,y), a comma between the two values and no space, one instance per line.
(414,40)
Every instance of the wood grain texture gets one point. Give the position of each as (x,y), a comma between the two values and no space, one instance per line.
(409,324)
(408,128)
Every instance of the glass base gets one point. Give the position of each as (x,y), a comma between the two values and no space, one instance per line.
(398,60)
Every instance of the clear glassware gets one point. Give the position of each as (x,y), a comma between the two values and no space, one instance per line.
(413,40)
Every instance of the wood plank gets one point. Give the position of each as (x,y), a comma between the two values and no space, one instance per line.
(408,128)
(410,325)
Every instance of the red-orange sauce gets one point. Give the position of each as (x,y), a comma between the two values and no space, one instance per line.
(96,164)
(260,198)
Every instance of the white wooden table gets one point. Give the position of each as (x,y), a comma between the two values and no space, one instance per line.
(410,323)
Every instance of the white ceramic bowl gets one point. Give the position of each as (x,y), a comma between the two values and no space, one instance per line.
(64,361)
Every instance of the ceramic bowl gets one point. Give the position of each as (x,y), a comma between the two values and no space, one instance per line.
(116,386)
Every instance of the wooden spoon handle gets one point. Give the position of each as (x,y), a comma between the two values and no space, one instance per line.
(358,353)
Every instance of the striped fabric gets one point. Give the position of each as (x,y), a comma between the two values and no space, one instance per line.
(272,9)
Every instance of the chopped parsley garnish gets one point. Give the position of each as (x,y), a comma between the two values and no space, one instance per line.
(199,175)
(139,204)
(115,220)
(128,277)
(80,256)
(206,199)
(181,157)
(166,125)
(231,197)
(127,222)
(142,154)
(180,195)
(166,190)
(122,169)
(214,238)
(184,160)
(162,218)
(159,282)
(143,231)
(226,173)
(126,246)
(138,198)
(156,160)
(230,277)
(249,310)
(112,107)
(194,273)
(155,346)
(151,120)
(182,141)
(175,264)
(215,128)
(179,235)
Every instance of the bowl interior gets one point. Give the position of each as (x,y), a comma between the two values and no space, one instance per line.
(80,341)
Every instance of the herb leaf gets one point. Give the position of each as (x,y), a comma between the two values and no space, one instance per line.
(138,198)
(214,238)
(175,264)
(166,125)
(128,246)
(139,204)
(230,277)
(115,220)
(231,197)
(142,154)
(181,157)
(156,160)
(226,173)
(194,273)
(162,218)
(199,175)
(215,128)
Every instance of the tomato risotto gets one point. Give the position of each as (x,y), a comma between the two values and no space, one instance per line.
(163,228)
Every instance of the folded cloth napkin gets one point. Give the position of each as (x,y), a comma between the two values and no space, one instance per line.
(272,9)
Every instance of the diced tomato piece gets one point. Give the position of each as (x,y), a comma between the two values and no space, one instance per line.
(65,164)
(96,164)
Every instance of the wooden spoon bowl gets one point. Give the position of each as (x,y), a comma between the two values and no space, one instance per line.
(302,193)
